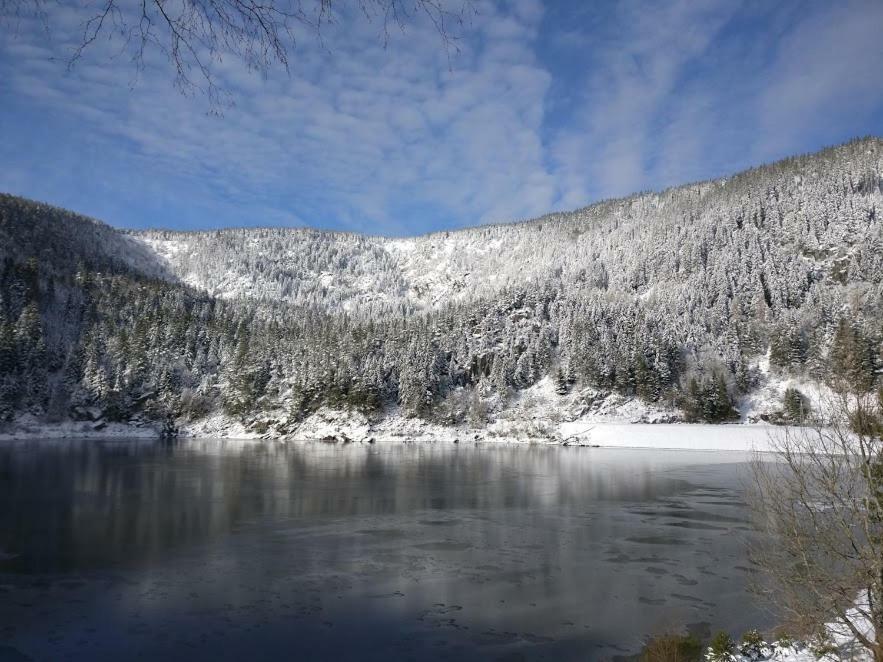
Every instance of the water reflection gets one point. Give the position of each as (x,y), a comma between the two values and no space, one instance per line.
(362,552)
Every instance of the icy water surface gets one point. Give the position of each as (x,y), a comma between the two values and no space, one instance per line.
(243,551)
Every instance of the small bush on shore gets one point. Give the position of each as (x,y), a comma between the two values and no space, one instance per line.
(783,640)
(721,648)
(752,645)
(672,648)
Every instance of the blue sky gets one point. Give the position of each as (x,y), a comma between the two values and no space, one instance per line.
(547,105)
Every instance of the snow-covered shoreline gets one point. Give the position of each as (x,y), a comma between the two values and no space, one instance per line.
(346,427)
(538,416)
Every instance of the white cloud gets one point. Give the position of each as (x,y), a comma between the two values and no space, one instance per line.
(356,129)
(828,73)
(395,140)
(636,73)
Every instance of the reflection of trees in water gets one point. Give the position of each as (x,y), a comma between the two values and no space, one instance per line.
(75,503)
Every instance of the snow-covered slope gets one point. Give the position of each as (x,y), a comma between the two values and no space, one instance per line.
(646,245)
(334,271)
(707,302)
(63,242)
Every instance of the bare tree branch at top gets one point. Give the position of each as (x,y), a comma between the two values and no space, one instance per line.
(195,35)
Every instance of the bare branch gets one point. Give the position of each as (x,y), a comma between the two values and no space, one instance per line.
(820,502)
(196,35)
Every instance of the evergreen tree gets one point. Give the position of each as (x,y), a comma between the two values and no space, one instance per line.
(32,359)
(562,386)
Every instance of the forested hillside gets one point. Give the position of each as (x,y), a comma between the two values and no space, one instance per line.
(671,297)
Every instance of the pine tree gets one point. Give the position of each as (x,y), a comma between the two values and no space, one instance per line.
(851,356)
(562,387)
(795,405)
(32,359)
(8,370)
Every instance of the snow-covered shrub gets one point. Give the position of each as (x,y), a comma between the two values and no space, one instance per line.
(478,410)
(822,646)
(753,646)
(452,409)
(786,648)
(784,641)
(194,405)
(721,648)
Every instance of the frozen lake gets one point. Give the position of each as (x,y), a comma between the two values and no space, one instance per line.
(243,551)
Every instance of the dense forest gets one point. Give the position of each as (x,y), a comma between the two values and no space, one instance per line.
(670,297)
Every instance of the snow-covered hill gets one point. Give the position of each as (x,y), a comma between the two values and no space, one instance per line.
(802,219)
(734,299)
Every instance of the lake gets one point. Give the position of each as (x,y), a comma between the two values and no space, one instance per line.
(225,550)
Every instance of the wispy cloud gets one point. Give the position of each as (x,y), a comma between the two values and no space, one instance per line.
(681,91)
(827,75)
(358,136)
(639,115)
(543,108)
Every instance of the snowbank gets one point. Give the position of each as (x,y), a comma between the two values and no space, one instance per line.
(342,426)
(766,400)
(838,645)
(683,436)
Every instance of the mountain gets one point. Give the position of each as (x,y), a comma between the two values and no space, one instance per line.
(631,246)
(690,301)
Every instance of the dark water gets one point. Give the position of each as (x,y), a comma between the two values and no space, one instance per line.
(235,551)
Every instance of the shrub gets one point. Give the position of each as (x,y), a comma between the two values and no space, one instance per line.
(721,648)
(752,645)
(478,410)
(672,648)
(821,645)
(452,409)
(193,405)
(784,641)
(865,421)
